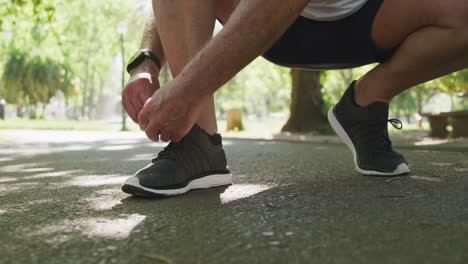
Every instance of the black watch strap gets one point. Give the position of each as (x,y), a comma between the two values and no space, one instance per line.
(140,56)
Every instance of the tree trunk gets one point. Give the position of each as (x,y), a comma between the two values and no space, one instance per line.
(307,106)
(91,98)
(85,85)
(101,88)
(98,106)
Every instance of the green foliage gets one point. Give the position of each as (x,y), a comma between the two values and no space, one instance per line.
(260,89)
(39,10)
(455,82)
(33,79)
(325,129)
(76,40)
(72,46)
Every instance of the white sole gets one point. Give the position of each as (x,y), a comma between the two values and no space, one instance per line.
(201,183)
(401,169)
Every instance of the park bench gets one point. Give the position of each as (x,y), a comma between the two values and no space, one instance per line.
(457,119)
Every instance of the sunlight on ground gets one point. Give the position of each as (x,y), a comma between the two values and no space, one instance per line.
(117,147)
(142,157)
(29,152)
(431,141)
(98,227)
(17,167)
(123,142)
(76,147)
(239,191)
(5,189)
(52,174)
(266,142)
(105,199)
(94,180)
(37,170)
(5,159)
(159,144)
(442,164)
(110,228)
(7,179)
(425,178)
(227,143)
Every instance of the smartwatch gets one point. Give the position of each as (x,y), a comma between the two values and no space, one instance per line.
(140,56)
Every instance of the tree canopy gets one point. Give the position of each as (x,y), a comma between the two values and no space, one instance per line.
(73,46)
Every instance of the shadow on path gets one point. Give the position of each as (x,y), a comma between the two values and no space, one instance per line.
(291,203)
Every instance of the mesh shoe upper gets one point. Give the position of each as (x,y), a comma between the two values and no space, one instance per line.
(194,156)
(367,129)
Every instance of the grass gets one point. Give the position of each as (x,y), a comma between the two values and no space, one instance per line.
(253,128)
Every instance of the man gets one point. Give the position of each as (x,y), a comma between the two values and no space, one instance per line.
(414,41)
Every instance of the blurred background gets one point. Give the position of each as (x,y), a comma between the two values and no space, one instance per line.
(61,65)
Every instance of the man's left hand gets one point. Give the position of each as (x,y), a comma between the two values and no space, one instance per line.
(169,114)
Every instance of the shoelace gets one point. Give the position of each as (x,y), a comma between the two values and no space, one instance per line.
(166,153)
(396,123)
(378,134)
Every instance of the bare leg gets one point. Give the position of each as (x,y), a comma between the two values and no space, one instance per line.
(432,40)
(185,27)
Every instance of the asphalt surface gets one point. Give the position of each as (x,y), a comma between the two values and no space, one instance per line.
(60,202)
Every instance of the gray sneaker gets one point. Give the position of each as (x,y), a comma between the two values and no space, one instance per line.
(197,161)
(364,131)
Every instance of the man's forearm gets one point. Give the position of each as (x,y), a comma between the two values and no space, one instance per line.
(151,40)
(250,31)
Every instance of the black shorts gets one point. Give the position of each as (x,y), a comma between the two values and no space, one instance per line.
(327,45)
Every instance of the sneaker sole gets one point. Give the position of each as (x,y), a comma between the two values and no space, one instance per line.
(400,169)
(132,186)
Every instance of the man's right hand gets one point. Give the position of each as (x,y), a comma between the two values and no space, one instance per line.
(141,86)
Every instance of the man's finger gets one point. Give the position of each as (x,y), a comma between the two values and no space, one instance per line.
(143,119)
(145,94)
(137,105)
(152,131)
(128,106)
(166,135)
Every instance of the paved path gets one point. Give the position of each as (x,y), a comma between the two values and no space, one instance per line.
(60,202)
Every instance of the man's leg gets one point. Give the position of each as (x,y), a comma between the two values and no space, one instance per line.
(185,27)
(198,160)
(432,41)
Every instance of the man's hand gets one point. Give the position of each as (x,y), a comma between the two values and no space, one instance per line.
(141,86)
(170,113)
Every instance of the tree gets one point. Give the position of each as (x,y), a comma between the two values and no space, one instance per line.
(307,105)
(454,83)
(31,80)
(81,34)
(259,89)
